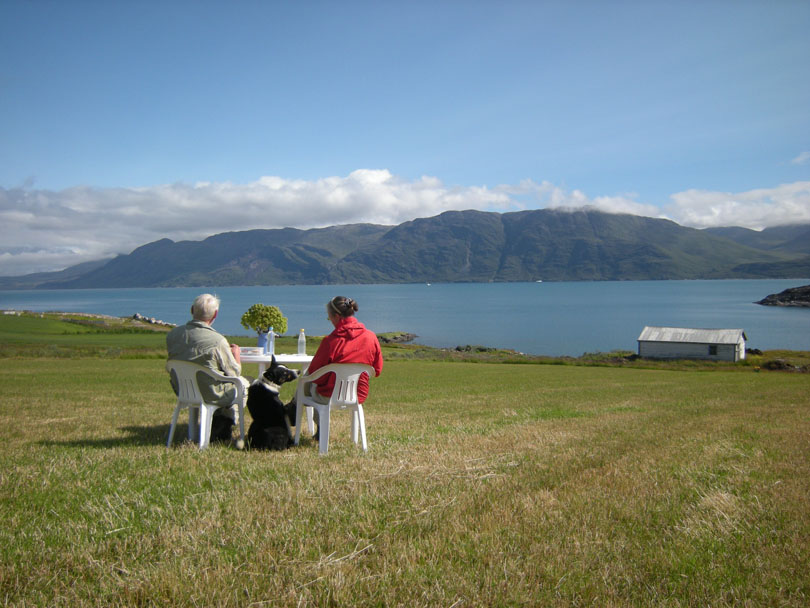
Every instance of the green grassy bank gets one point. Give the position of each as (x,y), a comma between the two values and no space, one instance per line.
(487,483)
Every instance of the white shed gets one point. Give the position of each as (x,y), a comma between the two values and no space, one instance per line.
(685,343)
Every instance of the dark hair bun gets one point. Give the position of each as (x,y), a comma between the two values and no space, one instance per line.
(343,306)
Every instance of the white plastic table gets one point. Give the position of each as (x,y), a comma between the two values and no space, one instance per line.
(252,354)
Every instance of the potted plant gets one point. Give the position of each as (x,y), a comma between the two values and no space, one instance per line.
(260,318)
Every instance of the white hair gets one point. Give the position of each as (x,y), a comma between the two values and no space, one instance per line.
(205,306)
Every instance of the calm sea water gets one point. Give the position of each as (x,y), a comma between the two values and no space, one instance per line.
(539,318)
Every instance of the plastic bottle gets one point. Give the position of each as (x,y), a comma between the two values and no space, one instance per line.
(271,342)
(302,343)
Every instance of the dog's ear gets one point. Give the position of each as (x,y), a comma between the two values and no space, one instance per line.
(273,361)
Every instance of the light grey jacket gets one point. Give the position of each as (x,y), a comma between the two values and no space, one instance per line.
(199,343)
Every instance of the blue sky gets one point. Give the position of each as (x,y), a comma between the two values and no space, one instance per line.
(125,122)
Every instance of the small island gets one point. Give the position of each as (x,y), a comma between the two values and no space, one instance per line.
(795,296)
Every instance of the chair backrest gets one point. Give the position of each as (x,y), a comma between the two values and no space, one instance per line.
(347,376)
(186,374)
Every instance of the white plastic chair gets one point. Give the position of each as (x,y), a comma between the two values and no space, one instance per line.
(189,396)
(344,397)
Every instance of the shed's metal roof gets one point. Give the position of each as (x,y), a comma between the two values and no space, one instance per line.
(685,334)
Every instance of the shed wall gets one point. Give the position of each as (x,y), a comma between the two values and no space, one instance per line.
(684,350)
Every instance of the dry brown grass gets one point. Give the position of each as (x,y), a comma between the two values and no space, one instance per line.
(484,485)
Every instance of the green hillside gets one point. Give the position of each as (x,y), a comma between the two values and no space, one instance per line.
(456,246)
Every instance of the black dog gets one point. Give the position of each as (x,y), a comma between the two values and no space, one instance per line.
(270,429)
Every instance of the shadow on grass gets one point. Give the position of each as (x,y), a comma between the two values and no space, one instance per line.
(147,436)
(156,434)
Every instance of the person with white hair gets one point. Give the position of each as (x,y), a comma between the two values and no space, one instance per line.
(198,342)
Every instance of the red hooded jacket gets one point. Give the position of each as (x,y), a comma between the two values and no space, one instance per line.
(350,342)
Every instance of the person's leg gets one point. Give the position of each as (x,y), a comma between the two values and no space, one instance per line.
(225,418)
(222,423)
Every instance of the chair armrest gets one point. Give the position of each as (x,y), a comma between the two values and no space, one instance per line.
(334,368)
(235,380)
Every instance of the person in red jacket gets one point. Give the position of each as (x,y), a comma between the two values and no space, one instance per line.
(350,342)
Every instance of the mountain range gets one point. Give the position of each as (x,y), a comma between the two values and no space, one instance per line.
(456,246)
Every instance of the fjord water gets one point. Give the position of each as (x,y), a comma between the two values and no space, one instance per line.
(566,318)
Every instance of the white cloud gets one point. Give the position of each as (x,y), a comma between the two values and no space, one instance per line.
(801,159)
(756,209)
(48,230)
(43,230)
(625,204)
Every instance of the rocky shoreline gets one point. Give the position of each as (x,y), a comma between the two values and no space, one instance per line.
(151,320)
(402,338)
(795,296)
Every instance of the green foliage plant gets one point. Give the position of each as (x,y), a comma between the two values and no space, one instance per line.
(261,317)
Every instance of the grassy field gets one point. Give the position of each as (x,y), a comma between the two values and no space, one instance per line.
(490,481)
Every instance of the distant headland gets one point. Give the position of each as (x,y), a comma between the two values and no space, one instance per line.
(795,296)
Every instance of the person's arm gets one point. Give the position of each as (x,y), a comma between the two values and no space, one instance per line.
(321,356)
(378,361)
(229,364)
(376,353)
